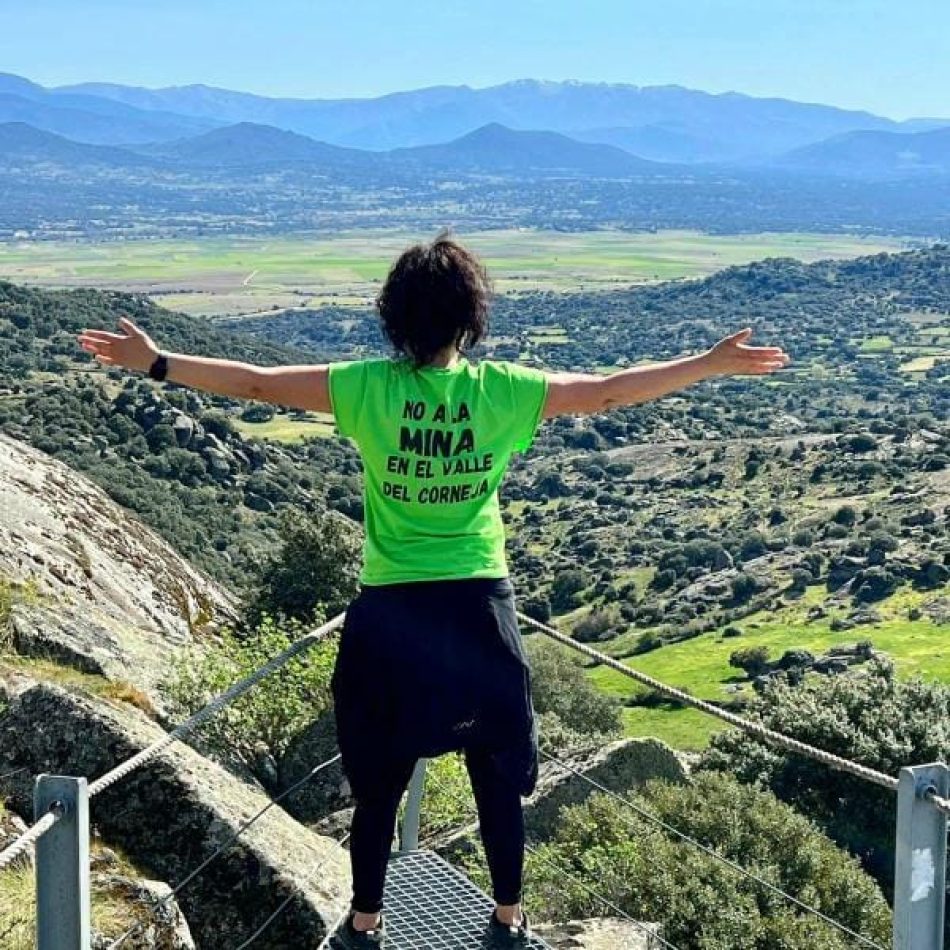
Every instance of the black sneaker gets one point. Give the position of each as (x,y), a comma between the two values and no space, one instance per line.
(509,935)
(352,939)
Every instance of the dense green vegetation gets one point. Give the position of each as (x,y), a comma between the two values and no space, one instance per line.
(261,724)
(807,510)
(818,496)
(871,717)
(700,903)
(173,456)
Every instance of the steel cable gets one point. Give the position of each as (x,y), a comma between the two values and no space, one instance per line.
(135,928)
(286,902)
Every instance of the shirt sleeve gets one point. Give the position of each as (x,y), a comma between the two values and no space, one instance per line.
(347,383)
(528,393)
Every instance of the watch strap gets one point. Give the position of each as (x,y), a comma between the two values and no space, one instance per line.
(159,369)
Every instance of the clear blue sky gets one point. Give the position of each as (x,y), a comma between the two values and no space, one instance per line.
(888,56)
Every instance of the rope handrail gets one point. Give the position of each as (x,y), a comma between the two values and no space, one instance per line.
(215,705)
(172,894)
(651,934)
(746,725)
(30,836)
(711,852)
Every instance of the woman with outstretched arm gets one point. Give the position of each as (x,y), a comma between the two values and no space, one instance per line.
(430,657)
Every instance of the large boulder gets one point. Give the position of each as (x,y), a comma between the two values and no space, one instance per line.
(618,766)
(100,591)
(175,812)
(600,933)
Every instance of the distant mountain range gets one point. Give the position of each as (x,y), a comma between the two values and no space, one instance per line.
(588,129)
(96,120)
(659,123)
(246,146)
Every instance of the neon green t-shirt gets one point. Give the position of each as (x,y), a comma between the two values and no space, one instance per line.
(435,444)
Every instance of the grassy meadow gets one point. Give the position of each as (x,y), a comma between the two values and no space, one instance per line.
(286,427)
(701,665)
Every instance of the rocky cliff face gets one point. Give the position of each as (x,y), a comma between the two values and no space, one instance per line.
(173,814)
(101,591)
(85,584)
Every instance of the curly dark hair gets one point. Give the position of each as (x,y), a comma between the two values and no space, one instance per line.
(435,295)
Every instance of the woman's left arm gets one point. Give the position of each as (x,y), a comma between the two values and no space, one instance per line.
(301,387)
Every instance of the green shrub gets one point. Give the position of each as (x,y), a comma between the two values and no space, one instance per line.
(273,712)
(313,573)
(700,903)
(870,717)
(565,588)
(571,711)
(753,660)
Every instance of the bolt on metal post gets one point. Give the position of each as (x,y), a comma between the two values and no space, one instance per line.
(63,903)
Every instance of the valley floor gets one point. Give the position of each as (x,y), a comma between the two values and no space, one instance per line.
(243,276)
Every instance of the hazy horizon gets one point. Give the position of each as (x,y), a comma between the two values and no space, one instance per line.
(867,55)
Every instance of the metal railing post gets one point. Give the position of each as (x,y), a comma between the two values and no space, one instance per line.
(921,862)
(62,865)
(409,833)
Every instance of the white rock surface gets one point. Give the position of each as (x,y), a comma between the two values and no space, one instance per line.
(103,592)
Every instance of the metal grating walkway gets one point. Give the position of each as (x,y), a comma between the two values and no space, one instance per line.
(431,906)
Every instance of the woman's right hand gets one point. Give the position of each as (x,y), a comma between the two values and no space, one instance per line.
(132,349)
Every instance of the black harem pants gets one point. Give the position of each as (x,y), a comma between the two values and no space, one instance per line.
(426,668)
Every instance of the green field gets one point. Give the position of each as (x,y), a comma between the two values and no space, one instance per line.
(701,665)
(238,275)
(285,428)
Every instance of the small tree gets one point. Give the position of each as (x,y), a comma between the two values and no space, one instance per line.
(753,660)
(845,515)
(565,587)
(572,711)
(315,570)
(743,587)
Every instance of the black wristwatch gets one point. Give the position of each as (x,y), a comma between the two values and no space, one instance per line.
(159,369)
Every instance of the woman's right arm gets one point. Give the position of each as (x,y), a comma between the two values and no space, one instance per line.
(301,387)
